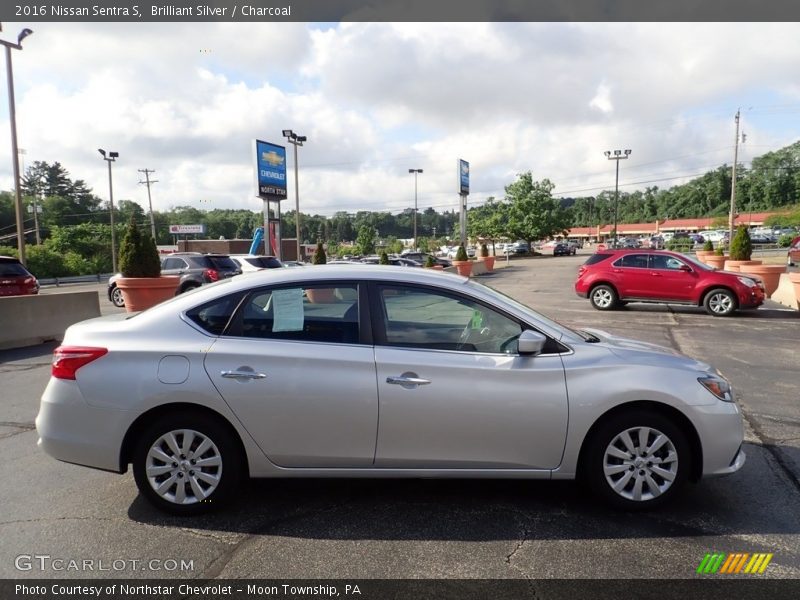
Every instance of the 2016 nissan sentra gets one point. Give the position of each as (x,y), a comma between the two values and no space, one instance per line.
(342,371)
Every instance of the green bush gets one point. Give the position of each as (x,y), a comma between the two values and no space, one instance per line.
(319,257)
(45,263)
(77,265)
(138,256)
(8,251)
(708,246)
(741,246)
(784,242)
(384,259)
(720,251)
(680,244)
(461,253)
(430,261)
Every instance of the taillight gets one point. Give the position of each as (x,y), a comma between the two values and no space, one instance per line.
(68,359)
(212,274)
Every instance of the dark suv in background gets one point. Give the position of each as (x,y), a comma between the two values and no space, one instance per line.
(193,268)
(15,279)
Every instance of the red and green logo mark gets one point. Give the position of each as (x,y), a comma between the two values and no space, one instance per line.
(731,564)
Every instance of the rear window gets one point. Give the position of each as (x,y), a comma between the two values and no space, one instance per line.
(264,262)
(221,263)
(213,316)
(596,258)
(12,268)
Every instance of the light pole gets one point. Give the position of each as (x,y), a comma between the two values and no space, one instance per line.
(296,140)
(415,172)
(616,155)
(112,157)
(12,117)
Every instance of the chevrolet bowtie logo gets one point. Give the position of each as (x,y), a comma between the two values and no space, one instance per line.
(272,157)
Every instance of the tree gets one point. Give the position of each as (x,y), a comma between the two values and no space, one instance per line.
(138,256)
(365,241)
(741,246)
(533,213)
(319,257)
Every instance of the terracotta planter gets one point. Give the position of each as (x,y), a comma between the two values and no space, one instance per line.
(141,293)
(703,254)
(795,279)
(464,267)
(321,295)
(769,274)
(735,265)
(716,261)
(489,261)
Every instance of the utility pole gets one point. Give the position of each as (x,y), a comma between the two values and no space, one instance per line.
(147,182)
(616,155)
(732,215)
(415,172)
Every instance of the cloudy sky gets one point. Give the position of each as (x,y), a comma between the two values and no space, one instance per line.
(376,99)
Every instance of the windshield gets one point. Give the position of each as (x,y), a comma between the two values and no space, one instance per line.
(696,263)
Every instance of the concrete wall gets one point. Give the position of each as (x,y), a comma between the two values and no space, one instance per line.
(31,320)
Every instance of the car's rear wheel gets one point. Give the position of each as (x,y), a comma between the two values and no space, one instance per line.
(187,464)
(188,287)
(720,302)
(116,297)
(603,297)
(637,460)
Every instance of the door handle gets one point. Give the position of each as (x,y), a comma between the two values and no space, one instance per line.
(242,375)
(407,380)
(656,274)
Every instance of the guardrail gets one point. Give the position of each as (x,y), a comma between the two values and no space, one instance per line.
(59,281)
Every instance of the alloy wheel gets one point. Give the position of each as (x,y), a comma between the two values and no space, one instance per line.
(640,464)
(183,466)
(720,303)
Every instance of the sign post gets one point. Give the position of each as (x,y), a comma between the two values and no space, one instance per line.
(271,188)
(463,191)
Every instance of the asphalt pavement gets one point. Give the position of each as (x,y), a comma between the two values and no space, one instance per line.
(427,528)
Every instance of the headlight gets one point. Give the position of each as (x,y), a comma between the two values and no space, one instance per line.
(747,281)
(718,386)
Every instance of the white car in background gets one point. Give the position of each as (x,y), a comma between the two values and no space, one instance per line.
(255,262)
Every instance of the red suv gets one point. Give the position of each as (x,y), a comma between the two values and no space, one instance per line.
(16,280)
(793,256)
(611,278)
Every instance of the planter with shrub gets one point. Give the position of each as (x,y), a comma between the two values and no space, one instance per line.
(462,263)
(320,295)
(430,263)
(717,260)
(487,260)
(741,251)
(142,285)
(708,250)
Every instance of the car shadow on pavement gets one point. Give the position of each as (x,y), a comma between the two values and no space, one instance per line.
(763,312)
(487,510)
(28,352)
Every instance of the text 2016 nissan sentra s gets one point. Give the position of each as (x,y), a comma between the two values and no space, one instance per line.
(342,371)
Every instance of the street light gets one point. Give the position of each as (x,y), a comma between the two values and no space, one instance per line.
(616,155)
(12,117)
(296,140)
(415,172)
(112,157)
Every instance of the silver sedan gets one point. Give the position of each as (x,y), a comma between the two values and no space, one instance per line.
(360,371)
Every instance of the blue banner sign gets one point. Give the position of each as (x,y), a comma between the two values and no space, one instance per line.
(463,176)
(271,170)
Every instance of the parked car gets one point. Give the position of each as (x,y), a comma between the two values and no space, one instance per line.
(611,278)
(422,257)
(656,242)
(522,247)
(793,255)
(15,279)
(761,239)
(255,262)
(193,268)
(262,376)
(562,249)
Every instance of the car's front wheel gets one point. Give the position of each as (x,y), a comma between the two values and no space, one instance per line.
(603,297)
(637,460)
(187,464)
(720,302)
(116,297)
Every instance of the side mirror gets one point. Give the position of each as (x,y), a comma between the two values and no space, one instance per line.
(531,343)
(686,268)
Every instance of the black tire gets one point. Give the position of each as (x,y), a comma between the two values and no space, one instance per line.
(217,483)
(600,442)
(720,302)
(188,287)
(115,296)
(604,297)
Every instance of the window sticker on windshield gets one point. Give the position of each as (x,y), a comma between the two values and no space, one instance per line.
(287,306)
